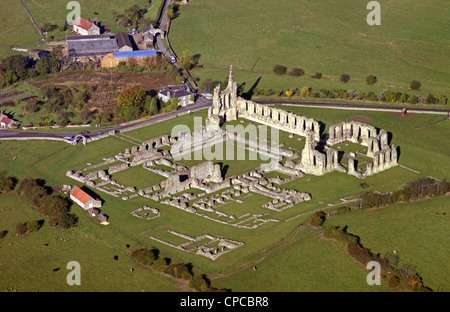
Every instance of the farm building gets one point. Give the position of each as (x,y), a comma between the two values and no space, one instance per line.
(85,28)
(176,92)
(93,212)
(91,46)
(125,42)
(5,121)
(83,199)
(113,59)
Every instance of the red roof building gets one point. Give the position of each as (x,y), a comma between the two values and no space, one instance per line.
(83,199)
(5,122)
(84,27)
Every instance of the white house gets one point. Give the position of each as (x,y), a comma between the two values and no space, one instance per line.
(83,199)
(5,122)
(175,92)
(84,27)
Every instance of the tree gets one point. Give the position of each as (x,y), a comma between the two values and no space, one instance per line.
(131,103)
(345,78)
(317,75)
(318,219)
(67,220)
(31,189)
(371,79)
(305,91)
(171,105)
(33,226)
(415,85)
(21,229)
(279,69)
(297,72)
(6,184)
(152,105)
(52,206)
(187,60)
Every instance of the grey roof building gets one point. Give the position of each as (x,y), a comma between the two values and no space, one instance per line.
(91,45)
(125,42)
(175,92)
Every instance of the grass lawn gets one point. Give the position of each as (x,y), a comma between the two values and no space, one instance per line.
(307,263)
(317,36)
(137,177)
(420,238)
(302,260)
(92,245)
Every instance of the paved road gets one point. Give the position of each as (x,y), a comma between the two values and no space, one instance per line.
(163,25)
(201,103)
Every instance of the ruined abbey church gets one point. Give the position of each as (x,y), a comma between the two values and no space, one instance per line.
(228,106)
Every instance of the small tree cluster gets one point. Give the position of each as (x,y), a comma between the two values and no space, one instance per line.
(371,79)
(420,188)
(297,72)
(345,78)
(317,219)
(279,69)
(151,258)
(6,183)
(47,204)
(415,85)
(405,277)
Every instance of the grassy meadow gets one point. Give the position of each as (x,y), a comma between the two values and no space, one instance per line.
(331,37)
(288,258)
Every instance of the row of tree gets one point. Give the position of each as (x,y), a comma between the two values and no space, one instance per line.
(151,258)
(383,96)
(48,204)
(370,80)
(417,189)
(403,278)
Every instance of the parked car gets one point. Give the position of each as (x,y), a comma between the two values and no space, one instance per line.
(84,132)
(173,59)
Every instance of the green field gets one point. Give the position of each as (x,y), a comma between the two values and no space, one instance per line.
(331,37)
(423,241)
(288,259)
(17,29)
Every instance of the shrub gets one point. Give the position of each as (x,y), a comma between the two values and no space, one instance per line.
(160,264)
(343,210)
(317,76)
(431,99)
(371,79)
(21,229)
(345,78)
(6,184)
(279,69)
(179,270)
(305,91)
(29,188)
(144,256)
(297,72)
(199,282)
(53,206)
(359,253)
(415,85)
(317,219)
(67,220)
(33,226)
(3,234)
(393,282)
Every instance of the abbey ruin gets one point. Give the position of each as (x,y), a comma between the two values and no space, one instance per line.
(204,190)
